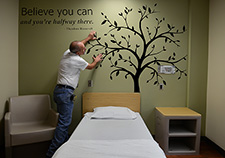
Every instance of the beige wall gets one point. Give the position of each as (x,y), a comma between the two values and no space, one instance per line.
(195,97)
(39,58)
(198,57)
(8,55)
(215,128)
(41,47)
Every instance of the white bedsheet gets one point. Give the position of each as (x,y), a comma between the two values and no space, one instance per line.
(107,129)
(141,148)
(94,138)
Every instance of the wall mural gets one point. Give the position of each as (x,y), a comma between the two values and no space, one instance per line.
(132,59)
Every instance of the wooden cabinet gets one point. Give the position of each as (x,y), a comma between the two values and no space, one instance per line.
(178,130)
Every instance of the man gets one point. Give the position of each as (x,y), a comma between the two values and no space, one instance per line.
(68,75)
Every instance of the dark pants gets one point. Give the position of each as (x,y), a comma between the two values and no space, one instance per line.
(64,100)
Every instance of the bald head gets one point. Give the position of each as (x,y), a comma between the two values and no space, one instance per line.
(77,47)
(74,46)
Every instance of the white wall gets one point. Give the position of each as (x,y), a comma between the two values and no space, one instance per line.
(215,126)
(8,55)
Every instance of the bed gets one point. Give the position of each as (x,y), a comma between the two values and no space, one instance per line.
(112,127)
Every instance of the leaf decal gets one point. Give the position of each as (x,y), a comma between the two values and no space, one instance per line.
(117,73)
(184,28)
(115,23)
(103,22)
(144,7)
(113,41)
(106,45)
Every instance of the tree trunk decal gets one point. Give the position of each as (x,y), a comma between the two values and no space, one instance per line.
(138,58)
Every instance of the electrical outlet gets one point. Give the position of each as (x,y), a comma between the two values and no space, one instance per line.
(90,83)
(166,69)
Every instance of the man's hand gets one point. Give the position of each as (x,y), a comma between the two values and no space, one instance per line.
(98,58)
(90,37)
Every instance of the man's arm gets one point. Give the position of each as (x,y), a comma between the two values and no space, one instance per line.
(91,36)
(96,60)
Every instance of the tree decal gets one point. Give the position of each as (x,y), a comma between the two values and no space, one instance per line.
(132,60)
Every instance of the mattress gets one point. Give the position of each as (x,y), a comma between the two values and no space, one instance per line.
(107,138)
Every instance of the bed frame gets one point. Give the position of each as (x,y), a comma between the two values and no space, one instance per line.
(92,100)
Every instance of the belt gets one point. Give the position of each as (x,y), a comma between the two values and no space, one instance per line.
(65,86)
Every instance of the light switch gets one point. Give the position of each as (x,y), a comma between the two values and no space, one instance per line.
(161,86)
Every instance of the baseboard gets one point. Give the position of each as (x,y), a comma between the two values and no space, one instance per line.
(218,148)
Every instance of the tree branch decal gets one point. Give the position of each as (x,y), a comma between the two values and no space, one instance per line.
(138,57)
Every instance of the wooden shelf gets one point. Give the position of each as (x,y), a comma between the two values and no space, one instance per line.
(178,130)
(182,128)
(182,145)
(177,111)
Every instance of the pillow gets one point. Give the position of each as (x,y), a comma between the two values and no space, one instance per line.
(113,112)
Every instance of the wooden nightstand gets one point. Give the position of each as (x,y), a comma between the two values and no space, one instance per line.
(178,130)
